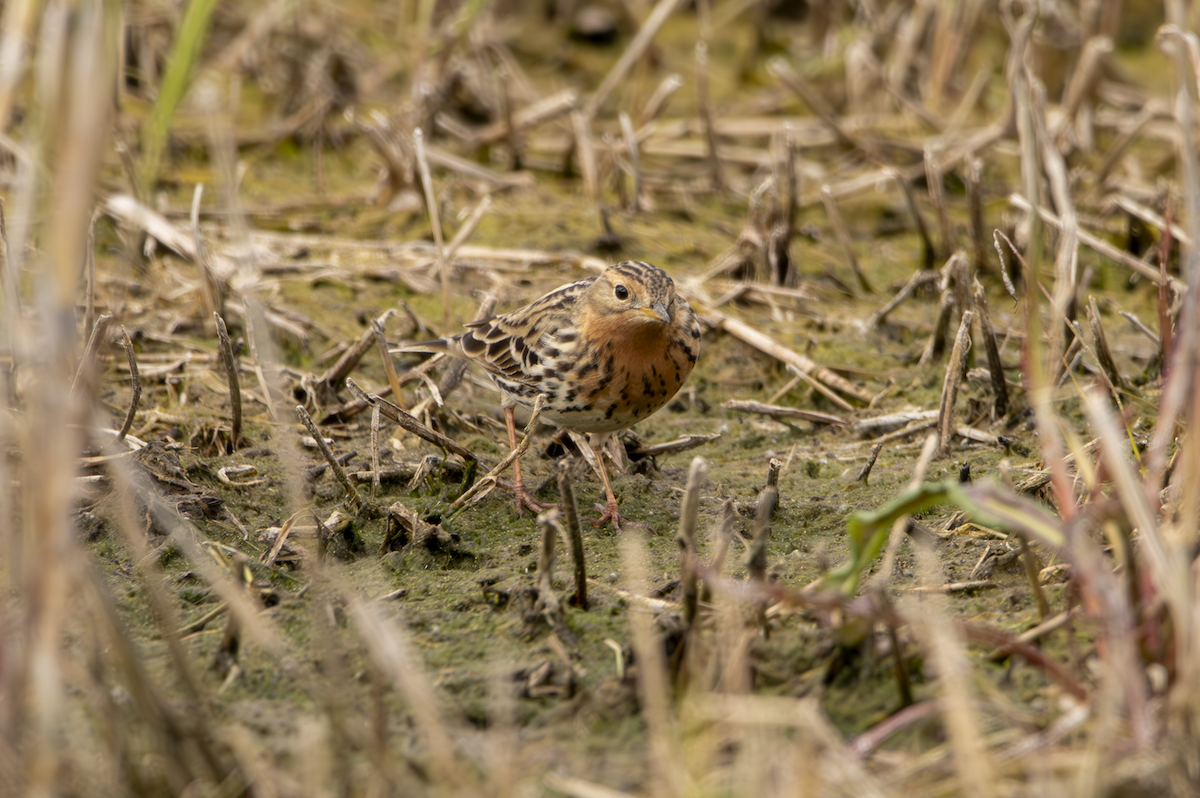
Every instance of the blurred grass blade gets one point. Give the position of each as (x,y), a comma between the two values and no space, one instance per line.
(988,505)
(175,82)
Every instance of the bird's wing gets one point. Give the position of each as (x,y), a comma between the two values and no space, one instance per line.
(521,346)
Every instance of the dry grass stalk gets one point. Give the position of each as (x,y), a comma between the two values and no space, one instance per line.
(570,510)
(686,538)
(768,500)
(1086,72)
(229,361)
(551,528)
(1100,245)
(935,347)
(995,364)
(633,52)
(87,363)
(937,197)
(135,380)
(820,376)
(954,372)
(707,116)
(865,473)
(1103,353)
(720,549)
(331,380)
(631,147)
(1152,110)
(843,236)
(776,411)
(389,368)
(658,100)
(435,222)
(210,287)
(356,501)
(919,279)
(654,687)
(928,252)
(975,203)
(484,486)
(585,150)
(1032,570)
(544,110)
(409,423)
(783,72)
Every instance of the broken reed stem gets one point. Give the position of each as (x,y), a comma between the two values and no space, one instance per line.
(779,69)
(707,118)
(469,226)
(356,501)
(409,423)
(920,278)
(231,375)
(1152,110)
(435,221)
(135,379)
(658,100)
(631,146)
(1086,71)
(995,365)
(1103,353)
(550,528)
(933,180)
(689,513)
(585,151)
(389,367)
(936,345)
(1032,575)
(485,485)
(632,53)
(349,359)
(570,509)
(88,360)
(210,287)
(1010,286)
(843,236)
(1165,330)
(768,500)
(974,173)
(954,372)
(721,546)
(376,423)
(1098,244)
(254,310)
(928,252)
(756,563)
(865,474)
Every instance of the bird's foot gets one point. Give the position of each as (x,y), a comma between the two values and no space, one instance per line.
(523,500)
(609,512)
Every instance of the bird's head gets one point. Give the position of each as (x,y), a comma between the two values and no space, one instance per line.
(633,291)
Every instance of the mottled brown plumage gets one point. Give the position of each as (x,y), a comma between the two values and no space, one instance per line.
(607,351)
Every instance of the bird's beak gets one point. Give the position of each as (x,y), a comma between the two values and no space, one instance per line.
(658,312)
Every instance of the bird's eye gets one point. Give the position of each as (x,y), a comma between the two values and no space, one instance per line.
(622,292)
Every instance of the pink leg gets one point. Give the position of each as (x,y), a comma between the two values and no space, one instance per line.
(610,510)
(521,497)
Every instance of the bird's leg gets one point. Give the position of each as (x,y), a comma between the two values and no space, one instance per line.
(521,497)
(610,510)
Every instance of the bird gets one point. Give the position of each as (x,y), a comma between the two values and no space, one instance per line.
(607,351)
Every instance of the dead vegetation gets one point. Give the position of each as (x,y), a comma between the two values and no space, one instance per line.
(945,249)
